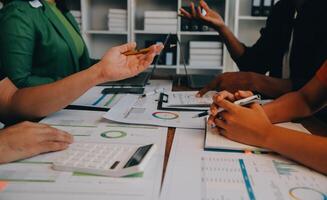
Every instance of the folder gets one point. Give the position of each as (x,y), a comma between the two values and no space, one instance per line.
(267,7)
(257,7)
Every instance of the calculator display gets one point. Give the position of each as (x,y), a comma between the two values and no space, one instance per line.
(138,156)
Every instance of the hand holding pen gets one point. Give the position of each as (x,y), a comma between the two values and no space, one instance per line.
(241,98)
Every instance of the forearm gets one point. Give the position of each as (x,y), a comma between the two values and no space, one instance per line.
(234,46)
(306,149)
(311,98)
(269,86)
(287,108)
(42,100)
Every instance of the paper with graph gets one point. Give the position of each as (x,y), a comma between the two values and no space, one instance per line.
(196,174)
(134,110)
(94,98)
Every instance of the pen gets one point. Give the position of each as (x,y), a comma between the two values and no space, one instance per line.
(241,102)
(137,51)
(156,91)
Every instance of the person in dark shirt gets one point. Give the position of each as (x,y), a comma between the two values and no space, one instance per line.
(292,47)
(253,125)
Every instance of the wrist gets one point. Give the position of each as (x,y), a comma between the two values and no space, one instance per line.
(267,141)
(220,27)
(96,74)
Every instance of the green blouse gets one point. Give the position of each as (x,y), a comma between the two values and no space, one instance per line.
(37,46)
(78,42)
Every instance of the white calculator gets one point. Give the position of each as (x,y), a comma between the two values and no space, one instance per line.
(115,160)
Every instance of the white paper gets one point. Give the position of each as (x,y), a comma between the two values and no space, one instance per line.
(94,98)
(134,110)
(196,174)
(189,99)
(69,186)
(216,141)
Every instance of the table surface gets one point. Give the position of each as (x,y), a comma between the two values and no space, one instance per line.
(314,125)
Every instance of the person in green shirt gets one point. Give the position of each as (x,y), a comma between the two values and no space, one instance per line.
(40,101)
(40,42)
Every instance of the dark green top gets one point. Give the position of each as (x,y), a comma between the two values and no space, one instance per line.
(78,41)
(35,46)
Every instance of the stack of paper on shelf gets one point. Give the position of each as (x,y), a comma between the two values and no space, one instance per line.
(160,21)
(117,20)
(206,54)
(77,14)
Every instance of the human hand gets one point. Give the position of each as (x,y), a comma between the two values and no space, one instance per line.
(214,108)
(232,82)
(29,139)
(248,125)
(116,66)
(211,18)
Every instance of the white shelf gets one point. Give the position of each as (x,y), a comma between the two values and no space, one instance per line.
(252,18)
(106,32)
(198,33)
(98,38)
(152,32)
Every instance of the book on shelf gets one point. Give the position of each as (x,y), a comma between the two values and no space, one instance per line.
(205,44)
(117,20)
(118,16)
(117,11)
(206,57)
(160,28)
(157,21)
(204,63)
(206,51)
(160,14)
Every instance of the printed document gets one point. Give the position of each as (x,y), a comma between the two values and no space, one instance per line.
(134,110)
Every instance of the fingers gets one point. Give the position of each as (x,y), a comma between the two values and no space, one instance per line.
(55,135)
(223,95)
(203,91)
(209,87)
(220,123)
(256,106)
(193,9)
(243,94)
(227,105)
(205,6)
(126,47)
(185,13)
(52,146)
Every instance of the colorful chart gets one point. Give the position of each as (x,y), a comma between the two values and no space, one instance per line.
(299,193)
(165,115)
(113,134)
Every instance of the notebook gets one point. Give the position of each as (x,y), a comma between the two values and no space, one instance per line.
(213,141)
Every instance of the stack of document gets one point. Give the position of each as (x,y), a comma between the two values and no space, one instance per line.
(206,54)
(155,21)
(77,14)
(117,20)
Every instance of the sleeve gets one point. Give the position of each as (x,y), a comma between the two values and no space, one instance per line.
(17,41)
(257,57)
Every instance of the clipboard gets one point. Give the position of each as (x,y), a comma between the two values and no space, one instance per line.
(164,98)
